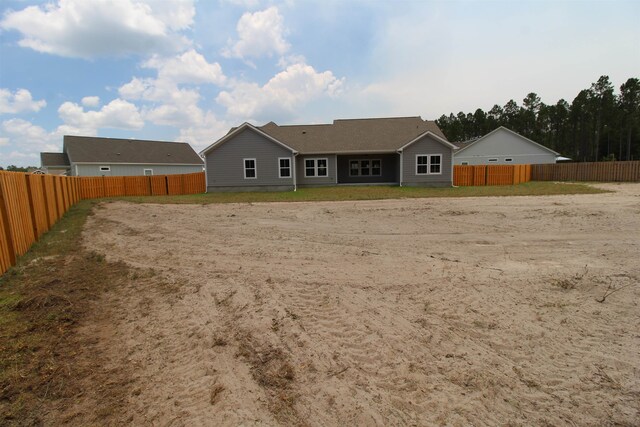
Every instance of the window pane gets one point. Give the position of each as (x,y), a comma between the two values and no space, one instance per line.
(435,160)
(250,164)
(375,171)
(310,163)
(322,163)
(285,172)
(364,163)
(251,173)
(422,168)
(375,163)
(435,168)
(310,172)
(364,171)
(422,160)
(322,171)
(284,163)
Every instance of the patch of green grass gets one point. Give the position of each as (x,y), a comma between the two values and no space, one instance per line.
(372,193)
(34,315)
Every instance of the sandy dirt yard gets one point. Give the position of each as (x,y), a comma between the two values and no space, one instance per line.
(474,311)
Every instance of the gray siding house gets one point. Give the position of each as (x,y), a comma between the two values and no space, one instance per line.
(503,147)
(92,156)
(405,151)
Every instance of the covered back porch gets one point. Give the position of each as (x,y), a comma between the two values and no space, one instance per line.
(365,169)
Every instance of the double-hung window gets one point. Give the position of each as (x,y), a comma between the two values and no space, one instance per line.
(284,167)
(316,168)
(250,169)
(428,164)
(365,167)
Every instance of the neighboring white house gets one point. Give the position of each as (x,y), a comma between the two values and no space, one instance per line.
(503,147)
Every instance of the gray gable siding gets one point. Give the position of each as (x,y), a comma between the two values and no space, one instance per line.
(225,165)
(502,145)
(131,170)
(426,145)
(330,179)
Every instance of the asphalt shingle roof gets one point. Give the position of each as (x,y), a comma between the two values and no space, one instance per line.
(54,159)
(85,149)
(352,135)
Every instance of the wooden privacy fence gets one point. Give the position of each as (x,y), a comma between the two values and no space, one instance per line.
(490,174)
(595,171)
(31,204)
(155,185)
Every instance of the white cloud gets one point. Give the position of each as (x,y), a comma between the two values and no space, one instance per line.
(260,34)
(166,102)
(18,102)
(190,67)
(118,114)
(27,141)
(91,101)
(247,4)
(25,131)
(287,90)
(80,28)
(180,110)
(203,134)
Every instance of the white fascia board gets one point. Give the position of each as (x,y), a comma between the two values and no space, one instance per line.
(436,137)
(239,129)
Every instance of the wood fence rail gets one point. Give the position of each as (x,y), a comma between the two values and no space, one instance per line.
(490,174)
(628,171)
(31,204)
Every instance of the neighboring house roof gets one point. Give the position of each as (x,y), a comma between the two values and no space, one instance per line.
(462,144)
(479,140)
(353,135)
(86,149)
(54,159)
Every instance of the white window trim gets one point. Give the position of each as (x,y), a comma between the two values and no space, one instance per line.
(255,168)
(428,156)
(280,168)
(360,167)
(105,168)
(315,167)
(150,170)
(493,159)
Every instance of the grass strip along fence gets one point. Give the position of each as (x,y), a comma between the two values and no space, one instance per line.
(476,175)
(628,171)
(31,204)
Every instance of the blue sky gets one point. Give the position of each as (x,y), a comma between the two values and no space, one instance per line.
(188,70)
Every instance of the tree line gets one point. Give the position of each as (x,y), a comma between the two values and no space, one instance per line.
(598,125)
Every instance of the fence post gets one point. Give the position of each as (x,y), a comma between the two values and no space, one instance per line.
(5,223)
(32,206)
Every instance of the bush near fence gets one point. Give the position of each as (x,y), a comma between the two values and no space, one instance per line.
(31,204)
(473,175)
(593,171)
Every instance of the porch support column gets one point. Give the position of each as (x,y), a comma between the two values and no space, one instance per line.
(401,162)
(295,167)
